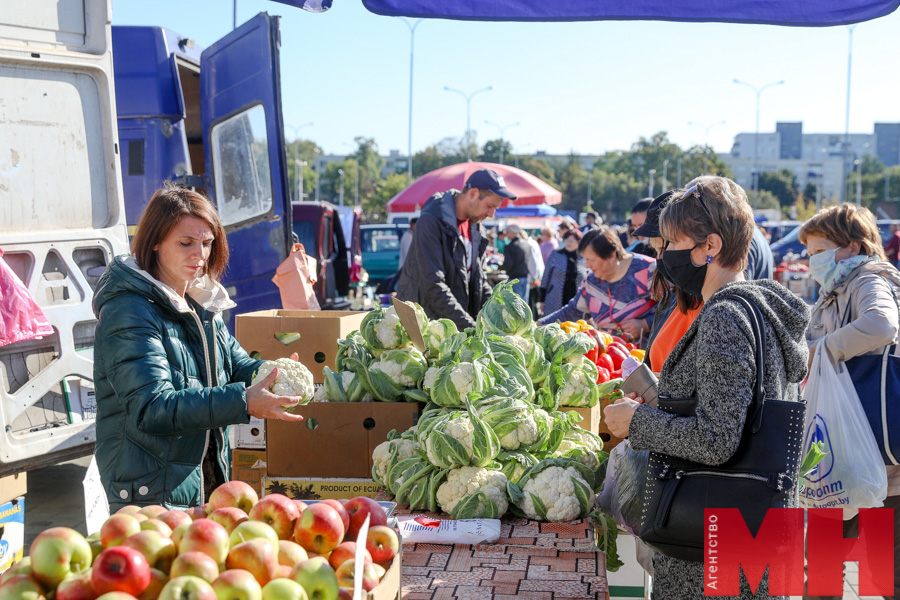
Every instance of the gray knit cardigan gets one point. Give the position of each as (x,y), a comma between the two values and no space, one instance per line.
(715,360)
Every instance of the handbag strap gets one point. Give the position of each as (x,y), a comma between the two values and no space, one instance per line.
(759,339)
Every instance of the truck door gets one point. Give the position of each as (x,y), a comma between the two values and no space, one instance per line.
(244,145)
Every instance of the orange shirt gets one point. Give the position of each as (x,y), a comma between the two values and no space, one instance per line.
(671,333)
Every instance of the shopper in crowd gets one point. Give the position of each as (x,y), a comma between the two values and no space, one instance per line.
(638,216)
(708,230)
(617,290)
(535,272)
(592,220)
(563,274)
(892,248)
(444,271)
(857,310)
(169,376)
(760,262)
(516,255)
(675,309)
(406,240)
(549,243)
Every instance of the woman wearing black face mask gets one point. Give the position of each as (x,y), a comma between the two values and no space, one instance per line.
(713,369)
(676,309)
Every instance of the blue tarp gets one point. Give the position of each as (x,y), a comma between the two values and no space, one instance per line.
(778,12)
(534,210)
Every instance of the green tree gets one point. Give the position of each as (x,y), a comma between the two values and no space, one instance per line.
(781,183)
(539,168)
(426,161)
(767,199)
(370,165)
(573,180)
(304,151)
(374,205)
(494,150)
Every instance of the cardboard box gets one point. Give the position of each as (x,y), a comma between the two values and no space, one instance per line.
(335,439)
(249,435)
(591,417)
(320,488)
(243,467)
(389,587)
(13,486)
(12,533)
(319,332)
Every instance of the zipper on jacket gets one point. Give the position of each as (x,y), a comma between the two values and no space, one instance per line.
(209,381)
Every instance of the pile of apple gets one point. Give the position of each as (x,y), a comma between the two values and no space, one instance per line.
(237,547)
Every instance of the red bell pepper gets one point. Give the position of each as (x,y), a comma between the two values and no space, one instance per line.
(593,353)
(617,374)
(606,362)
(618,339)
(603,376)
(618,354)
(598,337)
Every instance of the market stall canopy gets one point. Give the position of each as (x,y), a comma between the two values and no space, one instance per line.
(528,188)
(820,13)
(537,210)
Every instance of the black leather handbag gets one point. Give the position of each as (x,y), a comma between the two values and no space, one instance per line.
(760,475)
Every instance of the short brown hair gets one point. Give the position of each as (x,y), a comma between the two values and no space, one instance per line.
(714,205)
(843,225)
(166,208)
(604,242)
(573,233)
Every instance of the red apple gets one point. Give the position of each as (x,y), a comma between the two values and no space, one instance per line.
(358,508)
(290,553)
(233,493)
(152,511)
(187,588)
(345,594)
(128,510)
(283,572)
(317,578)
(301,505)
(174,518)
(156,525)
(23,567)
(228,517)
(117,528)
(158,581)
(345,574)
(277,511)
(58,553)
(21,587)
(120,569)
(207,537)
(256,557)
(158,549)
(251,530)
(178,533)
(196,564)
(96,544)
(382,543)
(345,551)
(345,516)
(196,512)
(76,588)
(283,589)
(319,529)
(237,583)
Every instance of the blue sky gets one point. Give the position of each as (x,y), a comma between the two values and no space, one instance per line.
(582,87)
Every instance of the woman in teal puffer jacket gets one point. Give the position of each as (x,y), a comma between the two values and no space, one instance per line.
(169,376)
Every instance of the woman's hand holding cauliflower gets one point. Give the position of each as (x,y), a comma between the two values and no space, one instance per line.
(279,385)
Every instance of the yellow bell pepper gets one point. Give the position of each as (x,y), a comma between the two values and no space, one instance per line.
(639,354)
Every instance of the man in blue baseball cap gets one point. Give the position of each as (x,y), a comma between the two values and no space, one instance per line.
(443,271)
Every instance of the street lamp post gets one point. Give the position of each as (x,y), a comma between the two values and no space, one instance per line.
(468,98)
(858,163)
(706,129)
(297,160)
(502,129)
(299,164)
(341,192)
(679,171)
(850,29)
(652,172)
(412,40)
(755,174)
(516,155)
(318,166)
(665,183)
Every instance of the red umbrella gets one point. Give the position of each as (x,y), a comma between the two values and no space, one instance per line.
(528,188)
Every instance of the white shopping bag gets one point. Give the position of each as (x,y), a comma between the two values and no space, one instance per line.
(852,474)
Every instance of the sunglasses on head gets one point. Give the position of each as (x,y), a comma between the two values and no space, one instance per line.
(695,192)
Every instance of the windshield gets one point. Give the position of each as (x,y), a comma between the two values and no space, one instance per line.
(381,240)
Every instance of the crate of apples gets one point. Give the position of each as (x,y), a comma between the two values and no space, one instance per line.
(236,546)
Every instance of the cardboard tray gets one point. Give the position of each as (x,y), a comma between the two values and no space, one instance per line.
(243,467)
(335,439)
(319,331)
(320,488)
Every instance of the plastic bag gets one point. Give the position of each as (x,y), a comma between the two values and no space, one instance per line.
(20,316)
(419,529)
(295,278)
(622,495)
(852,474)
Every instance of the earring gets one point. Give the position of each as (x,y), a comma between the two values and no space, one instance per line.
(709,259)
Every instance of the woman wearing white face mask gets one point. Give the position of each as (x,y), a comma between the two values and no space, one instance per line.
(857,310)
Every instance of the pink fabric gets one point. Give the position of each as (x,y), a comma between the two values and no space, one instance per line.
(20,316)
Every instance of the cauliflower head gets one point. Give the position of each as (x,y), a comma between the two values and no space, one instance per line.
(579,388)
(554,486)
(387,330)
(293,378)
(430,376)
(462,376)
(462,429)
(467,482)
(319,395)
(405,367)
(382,455)
(525,434)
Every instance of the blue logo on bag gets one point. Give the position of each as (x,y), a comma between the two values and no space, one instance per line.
(818,432)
